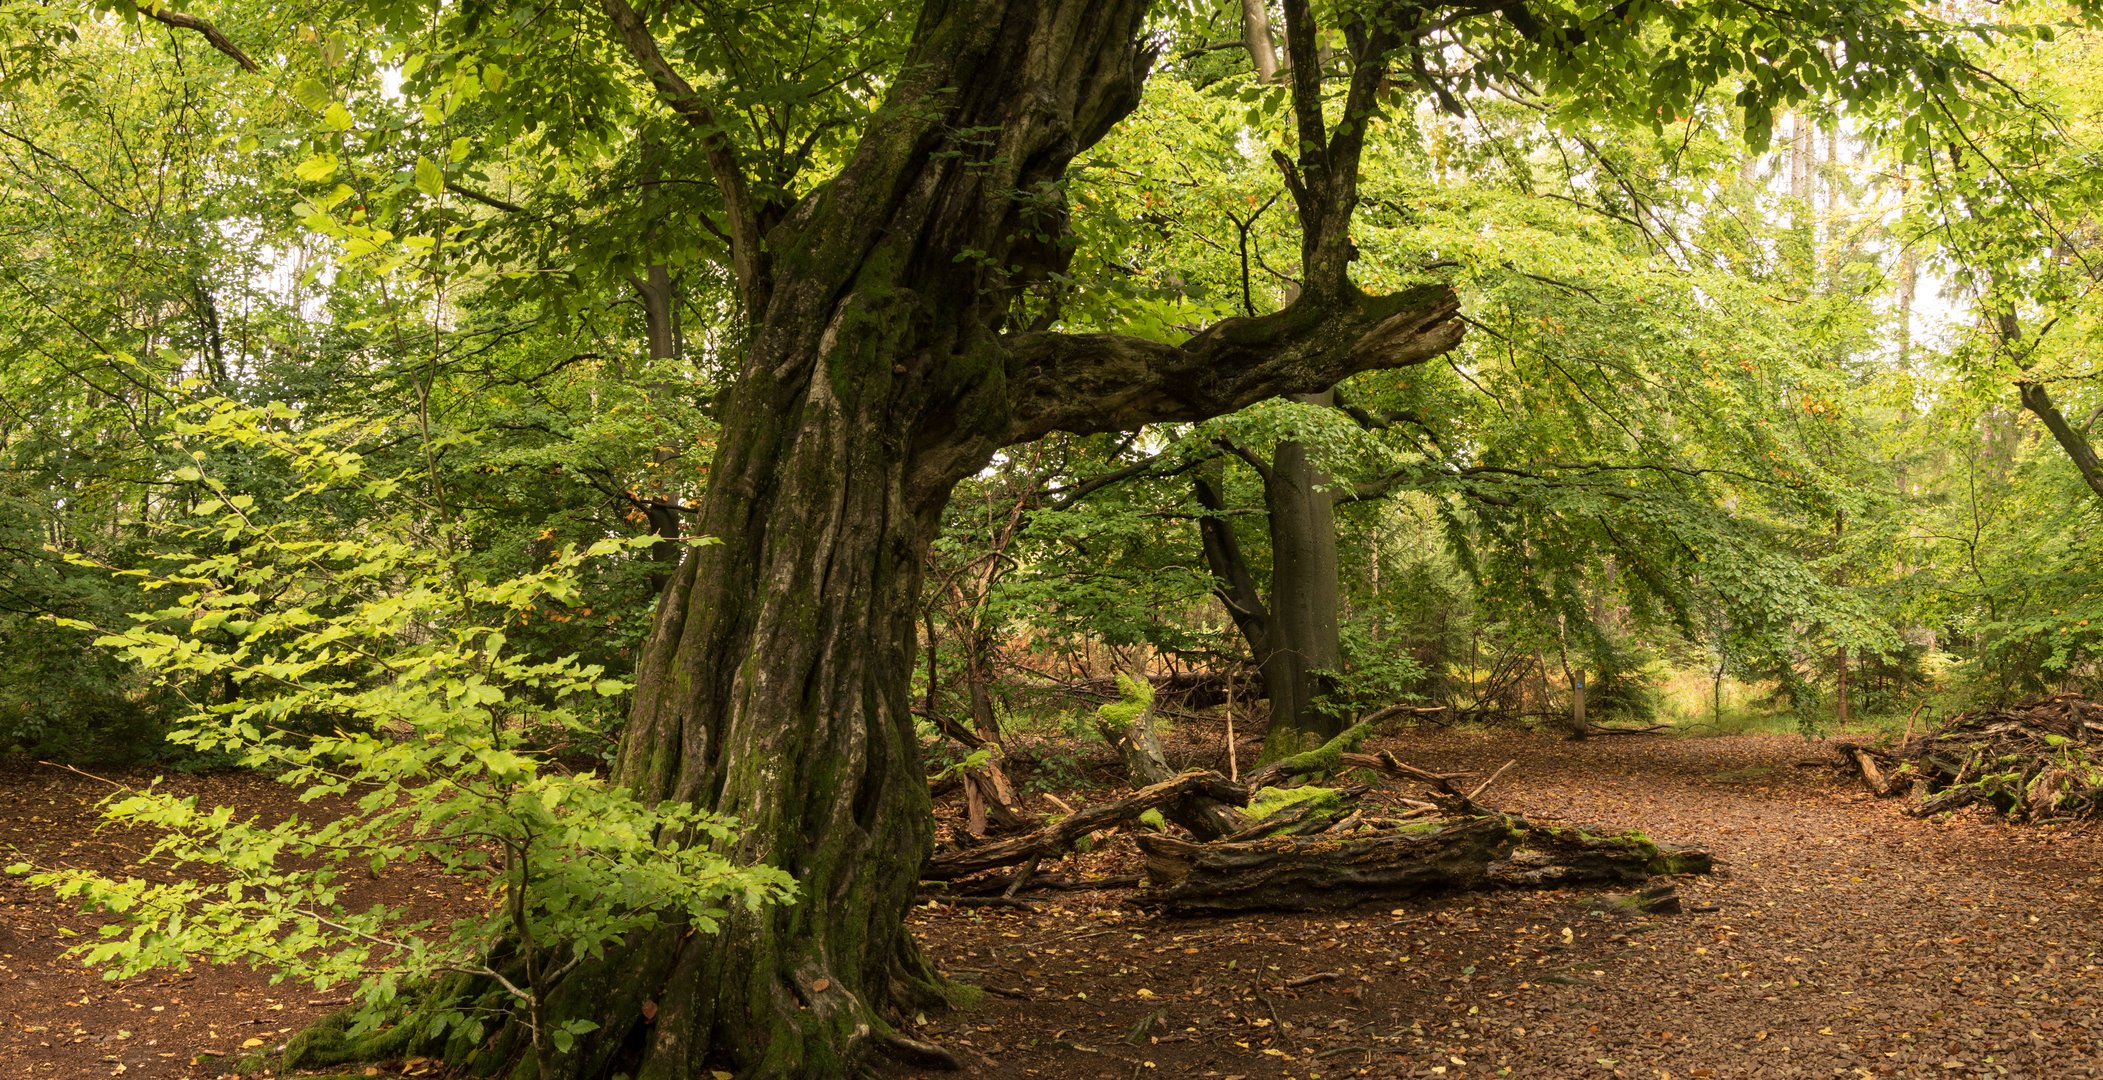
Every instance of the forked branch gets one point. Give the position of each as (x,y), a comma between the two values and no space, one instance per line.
(740,214)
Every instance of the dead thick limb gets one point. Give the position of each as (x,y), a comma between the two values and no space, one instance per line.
(211,33)
(1321,760)
(1059,837)
(1206,818)
(1865,762)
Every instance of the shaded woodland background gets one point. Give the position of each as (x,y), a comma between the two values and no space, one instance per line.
(1752,440)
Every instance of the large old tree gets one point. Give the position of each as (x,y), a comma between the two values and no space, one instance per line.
(893,337)
(883,366)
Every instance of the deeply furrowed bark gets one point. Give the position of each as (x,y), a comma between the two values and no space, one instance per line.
(774,688)
(774,685)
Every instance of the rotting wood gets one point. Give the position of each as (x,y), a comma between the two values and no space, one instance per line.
(1057,838)
(1136,742)
(1326,871)
(2032,762)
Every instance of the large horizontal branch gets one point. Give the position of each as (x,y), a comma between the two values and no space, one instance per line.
(1087,383)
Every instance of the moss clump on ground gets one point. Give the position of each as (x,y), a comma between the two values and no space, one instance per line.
(328,1041)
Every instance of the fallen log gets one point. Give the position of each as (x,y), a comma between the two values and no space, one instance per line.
(1866,766)
(1322,760)
(1312,815)
(1548,856)
(1303,873)
(992,884)
(1059,837)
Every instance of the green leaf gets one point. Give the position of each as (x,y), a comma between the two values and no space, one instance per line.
(430,179)
(311,92)
(317,168)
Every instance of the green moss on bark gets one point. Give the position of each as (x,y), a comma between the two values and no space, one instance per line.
(1322,760)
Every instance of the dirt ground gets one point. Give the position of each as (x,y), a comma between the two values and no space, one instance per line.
(59,1021)
(1842,939)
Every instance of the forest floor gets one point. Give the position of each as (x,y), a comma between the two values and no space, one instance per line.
(1843,939)
(1846,939)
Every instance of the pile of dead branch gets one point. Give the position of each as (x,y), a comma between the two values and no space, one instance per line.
(1329,828)
(2033,763)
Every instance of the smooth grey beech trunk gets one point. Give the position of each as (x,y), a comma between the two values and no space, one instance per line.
(1294,633)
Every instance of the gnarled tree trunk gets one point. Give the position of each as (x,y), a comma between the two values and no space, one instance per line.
(774,687)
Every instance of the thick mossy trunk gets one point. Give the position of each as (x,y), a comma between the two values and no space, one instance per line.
(774,687)
(881,367)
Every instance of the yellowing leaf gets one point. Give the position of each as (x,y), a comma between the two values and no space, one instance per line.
(317,168)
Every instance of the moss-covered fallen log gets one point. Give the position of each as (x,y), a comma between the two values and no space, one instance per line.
(1411,858)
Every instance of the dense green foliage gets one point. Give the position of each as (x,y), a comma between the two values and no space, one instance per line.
(370,665)
(326,350)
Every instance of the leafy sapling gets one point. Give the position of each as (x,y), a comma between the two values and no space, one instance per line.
(373,673)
